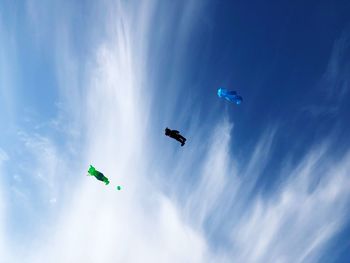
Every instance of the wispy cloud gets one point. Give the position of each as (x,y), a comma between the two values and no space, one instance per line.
(294,223)
(3,247)
(334,86)
(338,70)
(291,224)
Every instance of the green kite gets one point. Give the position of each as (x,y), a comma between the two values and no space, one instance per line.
(99,176)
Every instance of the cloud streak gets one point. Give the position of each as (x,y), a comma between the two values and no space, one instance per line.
(335,83)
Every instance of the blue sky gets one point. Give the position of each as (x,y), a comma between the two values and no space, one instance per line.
(97,82)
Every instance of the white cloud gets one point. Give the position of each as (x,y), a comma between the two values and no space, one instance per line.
(3,156)
(293,224)
(338,69)
(335,83)
(98,223)
(3,247)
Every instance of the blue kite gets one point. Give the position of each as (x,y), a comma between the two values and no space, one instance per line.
(230,95)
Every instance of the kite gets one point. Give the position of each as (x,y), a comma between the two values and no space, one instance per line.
(99,176)
(175,135)
(230,96)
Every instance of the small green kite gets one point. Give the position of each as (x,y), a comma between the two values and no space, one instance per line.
(99,176)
